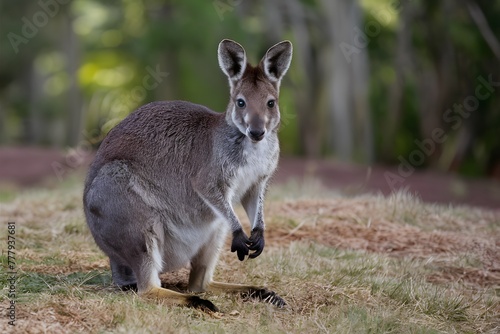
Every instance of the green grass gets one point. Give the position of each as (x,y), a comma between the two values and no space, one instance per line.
(344,265)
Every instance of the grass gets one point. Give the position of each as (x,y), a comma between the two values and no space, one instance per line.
(364,264)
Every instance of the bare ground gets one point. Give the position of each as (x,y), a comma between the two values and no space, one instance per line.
(29,166)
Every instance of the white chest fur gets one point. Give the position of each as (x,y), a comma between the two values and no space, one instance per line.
(260,162)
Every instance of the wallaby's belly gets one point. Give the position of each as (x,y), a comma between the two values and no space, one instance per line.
(123,207)
(183,242)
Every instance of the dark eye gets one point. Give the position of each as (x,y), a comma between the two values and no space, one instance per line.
(270,103)
(240,103)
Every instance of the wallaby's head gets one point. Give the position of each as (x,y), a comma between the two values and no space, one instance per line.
(253,105)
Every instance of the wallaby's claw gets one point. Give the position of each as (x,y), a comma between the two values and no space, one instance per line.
(202,304)
(267,296)
(240,244)
(129,287)
(257,242)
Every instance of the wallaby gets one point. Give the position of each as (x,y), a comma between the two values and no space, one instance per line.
(160,191)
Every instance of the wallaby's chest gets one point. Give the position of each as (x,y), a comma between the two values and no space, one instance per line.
(258,163)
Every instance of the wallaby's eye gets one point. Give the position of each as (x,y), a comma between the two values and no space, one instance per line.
(240,103)
(270,104)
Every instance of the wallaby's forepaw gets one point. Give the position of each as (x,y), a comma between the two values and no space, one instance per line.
(256,242)
(202,304)
(267,296)
(240,244)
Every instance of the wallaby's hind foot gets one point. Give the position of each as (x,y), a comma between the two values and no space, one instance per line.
(123,276)
(201,304)
(177,298)
(265,295)
(249,292)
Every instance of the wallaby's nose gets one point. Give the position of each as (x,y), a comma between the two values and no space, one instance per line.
(256,135)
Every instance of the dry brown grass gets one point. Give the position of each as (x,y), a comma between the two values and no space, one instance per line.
(344,265)
(439,235)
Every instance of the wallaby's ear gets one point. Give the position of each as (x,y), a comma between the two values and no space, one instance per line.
(232,59)
(277,60)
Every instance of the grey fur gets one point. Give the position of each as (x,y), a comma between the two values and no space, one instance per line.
(159,193)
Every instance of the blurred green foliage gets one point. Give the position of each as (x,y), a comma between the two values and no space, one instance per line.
(124,53)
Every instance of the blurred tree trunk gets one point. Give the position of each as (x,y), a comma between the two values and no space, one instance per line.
(350,132)
(34,126)
(3,137)
(403,67)
(436,80)
(364,148)
(482,24)
(74,102)
(339,30)
(308,99)
(462,145)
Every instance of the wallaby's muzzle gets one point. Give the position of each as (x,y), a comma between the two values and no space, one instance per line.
(255,125)
(256,135)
